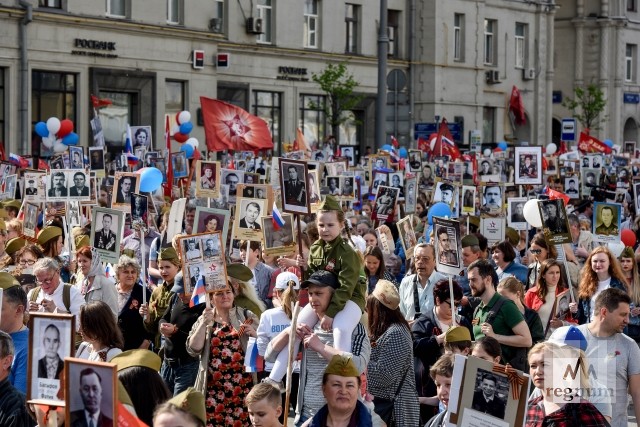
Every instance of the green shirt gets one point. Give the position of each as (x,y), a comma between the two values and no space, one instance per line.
(341,259)
(503,323)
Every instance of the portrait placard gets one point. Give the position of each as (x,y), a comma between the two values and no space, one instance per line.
(334,168)
(57,185)
(106,232)
(125,184)
(51,340)
(528,165)
(79,185)
(606,222)
(73,214)
(332,187)
(347,187)
(207,179)
(30,222)
(515,215)
(141,137)
(379,178)
(139,208)
(232,178)
(179,164)
(76,157)
(493,229)
(34,186)
(246,224)
(468,199)
(203,261)
(385,240)
(407,235)
(295,196)
(385,203)
(492,199)
(90,388)
(446,192)
(572,186)
(448,245)
(279,241)
(415,161)
(210,220)
(410,200)
(347,151)
(313,186)
(96,160)
(555,224)
(10,185)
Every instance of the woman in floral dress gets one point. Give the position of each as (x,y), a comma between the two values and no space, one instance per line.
(219,337)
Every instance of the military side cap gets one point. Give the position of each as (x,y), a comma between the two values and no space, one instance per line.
(3,215)
(512,235)
(343,366)
(191,401)
(387,294)
(474,220)
(457,334)
(16,204)
(8,281)
(330,204)
(168,254)
(321,278)
(82,241)
(14,245)
(137,357)
(239,272)
(470,240)
(48,233)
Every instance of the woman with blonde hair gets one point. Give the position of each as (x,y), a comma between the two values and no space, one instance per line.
(630,269)
(601,271)
(511,288)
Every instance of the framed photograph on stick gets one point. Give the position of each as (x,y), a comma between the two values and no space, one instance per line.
(90,393)
(295,195)
(203,261)
(51,341)
(515,215)
(448,245)
(207,179)
(125,184)
(106,232)
(528,165)
(555,224)
(407,235)
(606,222)
(279,240)
(30,222)
(210,220)
(246,225)
(385,203)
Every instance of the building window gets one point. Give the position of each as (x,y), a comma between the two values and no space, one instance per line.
(53,95)
(2,105)
(234,93)
(630,62)
(117,8)
(265,13)
(393,21)
(311,21)
(54,4)
(351,18)
(267,106)
(458,37)
(488,124)
(312,118)
(631,5)
(174,12)
(521,45)
(489,41)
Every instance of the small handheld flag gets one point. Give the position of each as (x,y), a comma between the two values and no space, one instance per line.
(277,219)
(199,293)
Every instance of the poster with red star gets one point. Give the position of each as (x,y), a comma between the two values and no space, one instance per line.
(228,127)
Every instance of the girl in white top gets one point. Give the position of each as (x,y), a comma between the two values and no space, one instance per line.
(102,339)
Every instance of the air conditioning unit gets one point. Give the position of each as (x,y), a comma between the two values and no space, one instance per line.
(254,25)
(529,74)
(215,25)
(493,76)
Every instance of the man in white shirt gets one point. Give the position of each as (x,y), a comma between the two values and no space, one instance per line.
(423,281)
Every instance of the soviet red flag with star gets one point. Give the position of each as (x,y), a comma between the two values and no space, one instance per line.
(228,127)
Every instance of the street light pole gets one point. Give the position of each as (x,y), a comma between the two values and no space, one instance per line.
(381,101)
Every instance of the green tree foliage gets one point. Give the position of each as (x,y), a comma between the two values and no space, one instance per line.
(587,105)
(339,86)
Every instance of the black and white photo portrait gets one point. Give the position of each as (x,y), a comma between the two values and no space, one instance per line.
(347,186)
(250,212)
(139,206)
(347,151)
(492,199)
(293,182)
(79,188)
(572,187)
(90,391)
(275,240)
(141,136)
(468,199)
(232,178)
(125,184)
(211,246)
(76,157)
(333,186)
(96,158)
(385,202)
(489,397)
(106,232)
(515,213)
(191,249)
(30,219)
(57,185)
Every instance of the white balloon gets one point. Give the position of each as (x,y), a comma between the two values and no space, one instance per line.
(551,148)
(193,142)
(616,248)
(487,152)
(175,129)
(531,213)
(53,125)
(48,142)
(59,147)
(184,117)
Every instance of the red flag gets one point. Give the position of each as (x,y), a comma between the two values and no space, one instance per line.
(127,419)
(554,195)
(43,165)
(517,107)
(228,127)
(589,144)
(300,143)
(100,102)
(445,146)
(423,145)
(394,142)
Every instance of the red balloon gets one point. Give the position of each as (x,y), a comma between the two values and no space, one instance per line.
(628,237)
(180,137)
(66,127)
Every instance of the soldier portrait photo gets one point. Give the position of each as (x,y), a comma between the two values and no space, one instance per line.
(606,221)
(57,186)
(448,245)
(293,182)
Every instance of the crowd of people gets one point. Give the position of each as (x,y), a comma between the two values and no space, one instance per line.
(356,326)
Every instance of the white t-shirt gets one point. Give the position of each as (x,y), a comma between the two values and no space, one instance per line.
(272,322)
(605,284)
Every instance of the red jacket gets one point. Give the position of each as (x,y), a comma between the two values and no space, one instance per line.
(533,301)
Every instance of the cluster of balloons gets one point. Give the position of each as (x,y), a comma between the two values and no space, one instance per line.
(57,134)
(501,146)
(181,133)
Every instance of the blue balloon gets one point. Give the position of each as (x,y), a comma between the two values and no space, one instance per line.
(502,145)
(41,129)
(608,143)
(387,147)
(188,149)
(150,180)
(403,153)
(185,128)
(71,139)
(439,209)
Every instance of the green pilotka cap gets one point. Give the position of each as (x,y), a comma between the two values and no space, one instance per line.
(330,204)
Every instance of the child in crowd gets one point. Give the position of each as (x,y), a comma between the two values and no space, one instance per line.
(487,348)
(185,409)
(263,404)
(441,373)
(457,340)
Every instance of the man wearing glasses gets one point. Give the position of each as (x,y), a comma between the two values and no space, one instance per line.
(49,295)
(416,290)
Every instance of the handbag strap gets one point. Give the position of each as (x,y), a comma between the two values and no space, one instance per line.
(402,381)
(416,300)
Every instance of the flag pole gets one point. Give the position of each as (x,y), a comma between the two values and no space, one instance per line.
(292,340)
(143,267)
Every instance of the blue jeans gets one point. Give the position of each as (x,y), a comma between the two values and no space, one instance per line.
(303,419)
(179,377)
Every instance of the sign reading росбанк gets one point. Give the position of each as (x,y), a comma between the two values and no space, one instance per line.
(93,46)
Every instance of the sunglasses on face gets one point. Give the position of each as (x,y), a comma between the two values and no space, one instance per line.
(536,251)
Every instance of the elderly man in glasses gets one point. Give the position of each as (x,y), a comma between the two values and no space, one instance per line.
(51,295)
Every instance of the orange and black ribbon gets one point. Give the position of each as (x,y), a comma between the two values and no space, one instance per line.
(515,380)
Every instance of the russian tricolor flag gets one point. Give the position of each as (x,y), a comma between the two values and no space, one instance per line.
(277,219)
(199,293)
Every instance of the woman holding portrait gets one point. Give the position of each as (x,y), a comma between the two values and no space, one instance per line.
(219,338)
(130,298)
